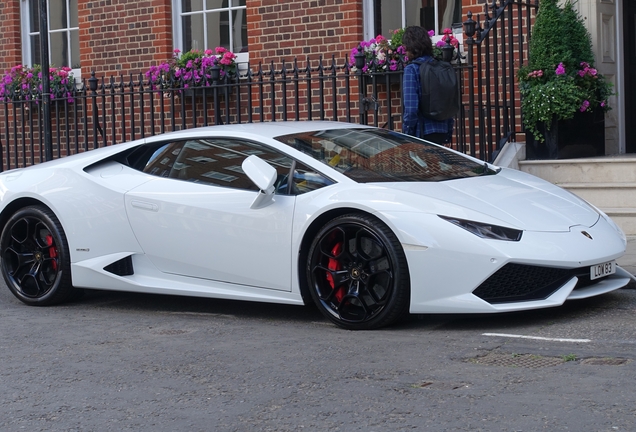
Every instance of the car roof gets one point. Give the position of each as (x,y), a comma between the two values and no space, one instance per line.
(263,130)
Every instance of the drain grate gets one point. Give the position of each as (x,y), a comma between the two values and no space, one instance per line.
(517,360)
(605,361)
(539,361)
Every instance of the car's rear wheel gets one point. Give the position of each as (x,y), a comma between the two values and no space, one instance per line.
(35,257)
(357,273)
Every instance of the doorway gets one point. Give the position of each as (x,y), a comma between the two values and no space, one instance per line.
(629,14)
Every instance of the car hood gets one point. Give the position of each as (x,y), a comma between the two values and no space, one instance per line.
(516,199)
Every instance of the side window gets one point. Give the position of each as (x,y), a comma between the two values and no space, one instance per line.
(214,161)
(306,180)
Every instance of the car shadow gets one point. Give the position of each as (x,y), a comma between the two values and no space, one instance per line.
(127,301)
(194,305)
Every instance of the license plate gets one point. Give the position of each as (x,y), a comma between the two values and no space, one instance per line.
(604,269)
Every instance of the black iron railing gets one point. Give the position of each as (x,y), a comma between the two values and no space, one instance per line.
(102,112)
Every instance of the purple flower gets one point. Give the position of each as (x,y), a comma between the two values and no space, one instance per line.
(560,70)
(585,105)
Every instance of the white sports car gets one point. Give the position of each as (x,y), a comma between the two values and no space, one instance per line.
(367,223)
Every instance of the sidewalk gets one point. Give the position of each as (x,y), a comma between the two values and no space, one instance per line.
(628,261)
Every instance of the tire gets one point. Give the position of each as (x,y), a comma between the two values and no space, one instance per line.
(357,273)
(35,258)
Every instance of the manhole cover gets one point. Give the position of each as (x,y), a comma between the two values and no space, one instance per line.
(517,360)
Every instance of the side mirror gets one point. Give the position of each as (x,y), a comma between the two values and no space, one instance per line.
(264,176)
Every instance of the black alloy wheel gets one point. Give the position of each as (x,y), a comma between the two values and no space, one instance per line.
(35,257)
(357,273)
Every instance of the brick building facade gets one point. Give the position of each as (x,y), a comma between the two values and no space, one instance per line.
(115,37)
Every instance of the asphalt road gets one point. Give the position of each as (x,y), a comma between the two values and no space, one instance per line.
(121,361)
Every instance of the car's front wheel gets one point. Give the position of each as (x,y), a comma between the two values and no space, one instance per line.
(357,273)
(35,257)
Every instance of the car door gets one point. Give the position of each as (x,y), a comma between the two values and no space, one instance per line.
(194,219)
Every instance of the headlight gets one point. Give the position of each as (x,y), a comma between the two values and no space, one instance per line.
(488,231)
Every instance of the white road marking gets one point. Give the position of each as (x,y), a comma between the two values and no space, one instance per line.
(538,338)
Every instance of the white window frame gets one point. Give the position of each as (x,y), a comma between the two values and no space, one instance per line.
(369,27)
(177,32)
(25,14)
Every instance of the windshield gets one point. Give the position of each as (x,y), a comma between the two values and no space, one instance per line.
(379,155)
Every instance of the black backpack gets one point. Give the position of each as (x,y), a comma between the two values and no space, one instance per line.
(439,98)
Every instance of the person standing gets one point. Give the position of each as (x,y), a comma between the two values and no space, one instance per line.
(419,47)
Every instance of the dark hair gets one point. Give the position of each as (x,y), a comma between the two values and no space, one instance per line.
(417,41)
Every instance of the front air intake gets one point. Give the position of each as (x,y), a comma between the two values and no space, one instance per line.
(521,282)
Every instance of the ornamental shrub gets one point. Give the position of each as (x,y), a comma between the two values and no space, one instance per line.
(560,78)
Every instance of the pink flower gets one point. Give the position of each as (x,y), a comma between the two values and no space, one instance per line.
(584,105)
(431,33)
(560,70)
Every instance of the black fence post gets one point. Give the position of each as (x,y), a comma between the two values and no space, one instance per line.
(360,60)
(46,96)
(92,85)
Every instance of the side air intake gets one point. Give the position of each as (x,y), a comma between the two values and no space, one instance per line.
(123,267)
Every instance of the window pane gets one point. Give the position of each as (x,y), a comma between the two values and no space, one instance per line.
(239,31)
(34,19)
(215,161)
(191,5)
(75,51)
(413,8)
(216,4)
(59,49)
(193,32)
(421,13)
(35,50)
(218,30)
(73,11)
(449,13)
(391,17)
(238,3)
(306,180)
(57,15)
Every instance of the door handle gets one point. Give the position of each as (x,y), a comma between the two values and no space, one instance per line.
(143,205)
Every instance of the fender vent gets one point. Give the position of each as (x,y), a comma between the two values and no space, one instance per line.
(123,267)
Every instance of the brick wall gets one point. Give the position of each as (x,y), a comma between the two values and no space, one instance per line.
(123,36)
(10,42)
(302,28)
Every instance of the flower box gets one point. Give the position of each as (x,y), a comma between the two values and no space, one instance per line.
(578,137)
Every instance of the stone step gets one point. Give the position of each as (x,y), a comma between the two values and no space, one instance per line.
(602,195)
(624,218)
(619,169)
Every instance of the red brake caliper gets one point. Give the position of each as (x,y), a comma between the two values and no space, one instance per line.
(335,265)
(52,250)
